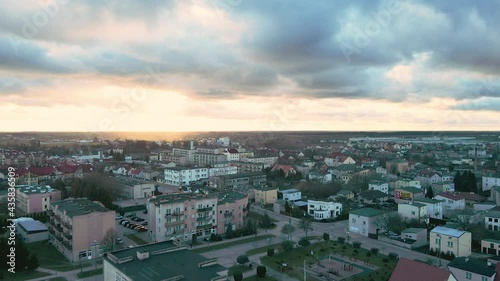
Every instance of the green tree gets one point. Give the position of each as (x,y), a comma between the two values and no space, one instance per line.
(326,236)
(261,271)
(288,209)
(194,239)
(304,242)
(32,262)
(305,225)
(238,276)
(287,245)
(229,231)
(242,259)
(265,221)
(288,229)
(429,193)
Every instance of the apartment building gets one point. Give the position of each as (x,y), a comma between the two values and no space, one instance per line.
(269,161)
(205,159)
(450,241)
(78,226)
(238,180)
(244,167)
(32,199)
(324,209)
(160,262)
(231,210)
(412,211)
(222,170)
(179,216)
(135,189)
(451,201)
(266,195)
(232,154)
(184,176)
(184,152)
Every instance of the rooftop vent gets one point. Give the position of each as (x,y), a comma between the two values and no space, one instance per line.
(142,255)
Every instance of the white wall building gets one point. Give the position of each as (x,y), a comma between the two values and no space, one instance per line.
(451,202)
(412,211)
(490,180)
(184,176)
(224,141)
(492,220)
(434,207)
(290,194)
(324,209)
(379,185)
(222,170)
(450,240)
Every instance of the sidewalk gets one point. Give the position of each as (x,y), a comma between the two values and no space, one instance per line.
(69,275)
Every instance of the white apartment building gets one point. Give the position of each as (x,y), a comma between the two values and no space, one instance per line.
(182,152)
(184,176)
(290,194)
(232,154)
(270,161)
(410,211)
(451,201)
(450,240)
(490,180)
(379,185)
(324,209)
(222,170)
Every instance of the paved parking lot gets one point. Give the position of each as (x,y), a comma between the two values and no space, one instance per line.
(121,231)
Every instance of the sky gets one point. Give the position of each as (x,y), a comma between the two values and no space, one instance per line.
(238,65)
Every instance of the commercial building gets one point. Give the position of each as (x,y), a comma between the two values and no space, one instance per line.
(78,226)
(450,241)
(32,231)
(405,194)
(35,198)
(160,262)
(135,189)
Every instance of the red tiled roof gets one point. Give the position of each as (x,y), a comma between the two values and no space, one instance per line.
(42,171)
(21,172)
(67,169)
(409,270)
(285,168)
(232,150)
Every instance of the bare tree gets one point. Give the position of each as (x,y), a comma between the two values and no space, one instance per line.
(109,239)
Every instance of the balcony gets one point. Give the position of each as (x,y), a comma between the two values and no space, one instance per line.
(205,209)
(57,217)
(59,227)
(174,214)
(228,214)
(51,230)
(68,236)
(68,245)
(173,223)
(204,218)
(67,225)
(58,237)
(204,226)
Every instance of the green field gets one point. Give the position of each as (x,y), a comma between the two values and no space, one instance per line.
(262,249)
(50,258)
(222,245)
(137,240)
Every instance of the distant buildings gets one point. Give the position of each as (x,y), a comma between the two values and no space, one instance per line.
(135,189)
(291,194)
(184,176)
(78,226)
(434,207)
(408,194)
(412,211)
(380,185)
(229,182)
(160,262)
(451,201)
(450,241)
(35,198)
(490,180)
(397,166)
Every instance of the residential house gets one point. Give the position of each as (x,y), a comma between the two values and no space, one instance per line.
(159,262)
(320,177)
(412,211)
(288,170)
(495,194)
(232,154)
(428,178)
(451,201)
(266,195)
(492,220)
(379,185)
(324,209)
(179,176)
(471,198)
(445,186)
(418,236)
(231,211)
(490,247)
(410,270)
(397,166)
(346,193)
(408,182)
(489,180)
(78,227)
(434,207)
(365,221)
(408,194)
(372,196)
(484,206)
(468,268)
(31,199)
(291,194)
(179,216)
(450,241)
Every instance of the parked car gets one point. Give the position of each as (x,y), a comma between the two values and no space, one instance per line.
(119,240)
(139,219)
(130,215)
(144,223)
(132,225)
(124,222)
(118,217)
(142,229)
(145,211)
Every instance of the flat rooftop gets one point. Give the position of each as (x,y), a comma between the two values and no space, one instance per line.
(165,261)
(448,231)
(130,181)
(32,226)
(179,197)
(78,206)
(34,189)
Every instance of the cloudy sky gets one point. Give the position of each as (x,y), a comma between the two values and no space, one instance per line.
(192,65)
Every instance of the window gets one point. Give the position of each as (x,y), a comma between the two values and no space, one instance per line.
(484,278)
(468,275)
(413,213)
(450,244)
(438,240)
(353,220)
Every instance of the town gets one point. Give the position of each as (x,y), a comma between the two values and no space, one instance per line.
(244,206)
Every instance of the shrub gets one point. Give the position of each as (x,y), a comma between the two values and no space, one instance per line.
(385,260)
(368,254)
(270,252)
(287,245)
(374,251)
(238,276)
(242,259)
(304,242)
(326,236)
(261,271)
(356,244)
(393,256)
(341,240)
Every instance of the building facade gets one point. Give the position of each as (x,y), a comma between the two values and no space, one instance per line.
(184,176)
(324,209)
(266,195)
(231,211)
(450,241)
(365,221)
(35,199)
(412,211)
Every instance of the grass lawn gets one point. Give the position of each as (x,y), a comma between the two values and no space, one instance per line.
(21,276)
(89,273)
(222,245)
(255,278)
(49,257)
(137,240)
(58,279)
(262,249)
(240,268)
(295,259)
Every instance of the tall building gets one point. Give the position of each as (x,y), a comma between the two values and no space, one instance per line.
(78,227)
(35,198)
(184,176)
(231,210)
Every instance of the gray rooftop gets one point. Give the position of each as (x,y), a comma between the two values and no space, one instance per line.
(291,190)
(448,231)
(32,226)
(34,189)
(165,261)
(78,206)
